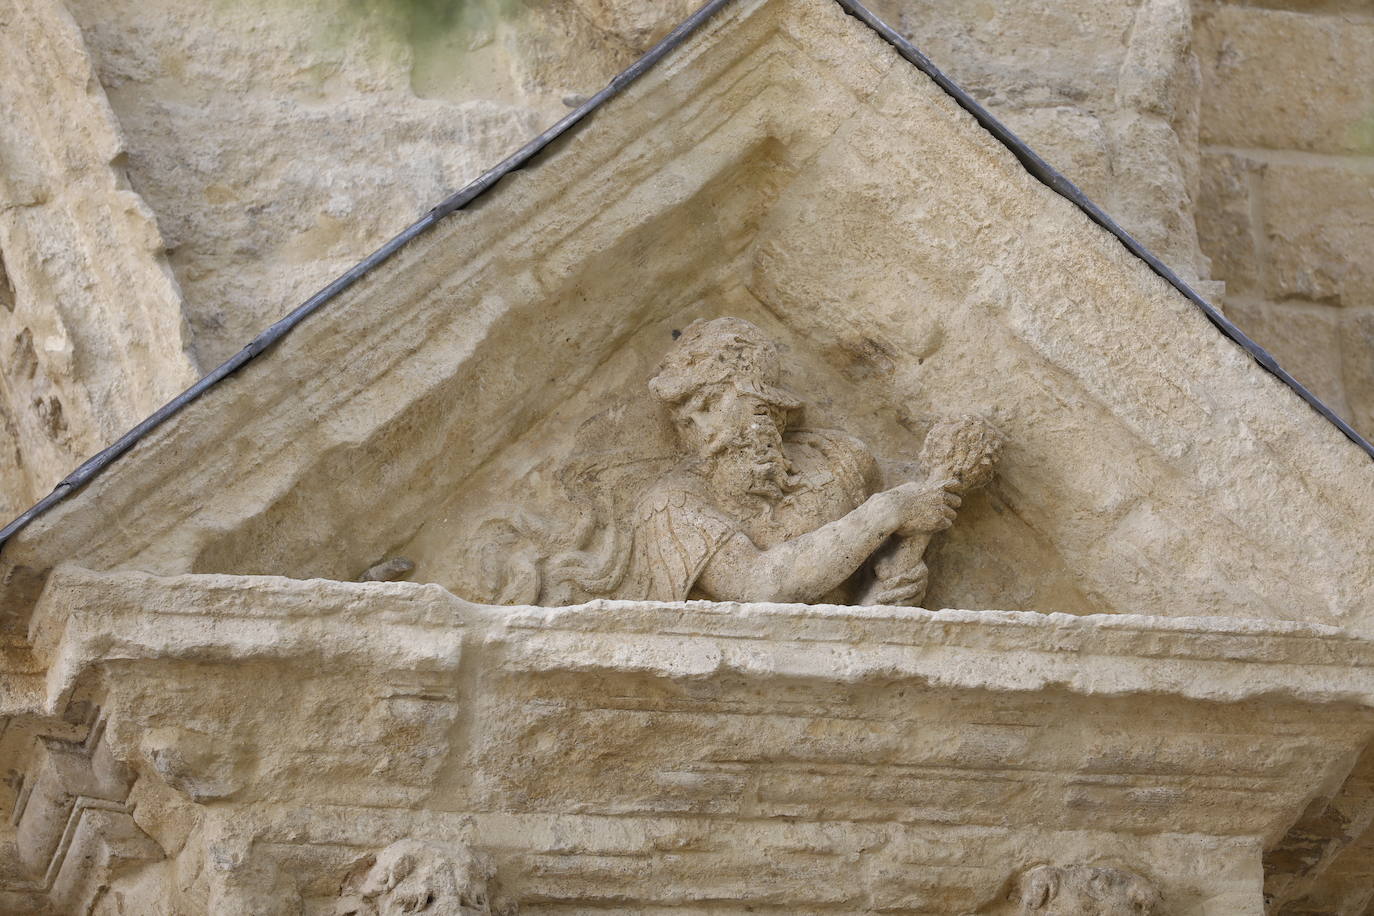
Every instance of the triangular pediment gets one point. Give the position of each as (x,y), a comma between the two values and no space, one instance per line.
(785,165)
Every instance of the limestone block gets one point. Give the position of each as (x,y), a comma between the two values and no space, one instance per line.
(744,192)
(1159,75)
(1318,227)
(1323,861)
(636,22)
(1228,231)
(278,144)
(1037,54)
(626,756)
(1357,366)
(1084,890)
(1307,340)
(90,317)
(411,876)
(1154,200)
(1281,79)
(1070,138)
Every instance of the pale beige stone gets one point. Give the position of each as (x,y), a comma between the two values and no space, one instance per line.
(91,337)
(1286,204)
(739,503)
(1076,142)
(1357,364)
(1319,225)
(994,271)
(1229,224)
(946,754)
(278,143)
(1158,700)
(414,877)
(1307,340)
(1087,891)
(1293,79)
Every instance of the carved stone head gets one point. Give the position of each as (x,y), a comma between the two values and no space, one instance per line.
(718,381)
(720,352)
(1087,890)
(411,876)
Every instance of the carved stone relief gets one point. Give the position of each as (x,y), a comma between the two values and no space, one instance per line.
(411,876)
(752,505)
(73,824)
(1086,890)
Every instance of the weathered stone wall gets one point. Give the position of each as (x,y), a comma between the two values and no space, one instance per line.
(184,736)
(270,145)
(1287,209)
(1107,92)
(1246,133)
(175,177)
(90,322)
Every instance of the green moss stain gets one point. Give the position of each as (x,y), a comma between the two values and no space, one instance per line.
(1362,134)
(425,21)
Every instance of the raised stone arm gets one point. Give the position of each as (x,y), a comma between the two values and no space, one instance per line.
(962,453)
(808,567)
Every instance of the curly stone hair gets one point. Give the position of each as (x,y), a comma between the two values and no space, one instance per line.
(722,351)
(965,449)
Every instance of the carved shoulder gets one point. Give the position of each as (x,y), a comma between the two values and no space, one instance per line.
(845,455)
(673,491)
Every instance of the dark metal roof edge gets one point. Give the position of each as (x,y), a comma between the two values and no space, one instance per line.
(264,341)
(1032,162)
(1051,178)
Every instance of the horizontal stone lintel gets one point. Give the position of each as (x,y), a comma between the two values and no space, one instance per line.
(87,618)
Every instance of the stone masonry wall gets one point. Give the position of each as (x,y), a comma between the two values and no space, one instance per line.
(1287,205)
(90,316)
(258,148)
(1238,146)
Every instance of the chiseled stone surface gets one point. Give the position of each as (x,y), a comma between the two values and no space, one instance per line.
(1136,434)
(91,335)
(783,293)
(1287,134)
(743,505)
(279,143)
(1287,76)
(261,144)
(631,756)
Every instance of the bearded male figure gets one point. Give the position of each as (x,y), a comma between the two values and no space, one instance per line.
(758,511)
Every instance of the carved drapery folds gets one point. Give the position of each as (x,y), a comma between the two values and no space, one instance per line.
(747,504)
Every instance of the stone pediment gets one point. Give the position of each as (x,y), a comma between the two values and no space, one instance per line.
(192,709)
(787,166)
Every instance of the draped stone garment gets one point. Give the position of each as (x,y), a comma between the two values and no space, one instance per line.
(679,527)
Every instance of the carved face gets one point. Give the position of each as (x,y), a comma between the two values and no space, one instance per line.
(741,428)
(1086,891)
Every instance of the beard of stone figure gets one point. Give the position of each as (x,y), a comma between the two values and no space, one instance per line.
(738,437)
(720,385)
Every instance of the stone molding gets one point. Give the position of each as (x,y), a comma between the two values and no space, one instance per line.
(423,628)
(1199,473)
(72,821)
(532,732)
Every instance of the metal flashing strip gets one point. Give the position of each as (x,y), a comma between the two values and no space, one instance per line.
(1055,181)
(455,202)
(1032,162)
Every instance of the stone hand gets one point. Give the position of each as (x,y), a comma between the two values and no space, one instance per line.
(925,508)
